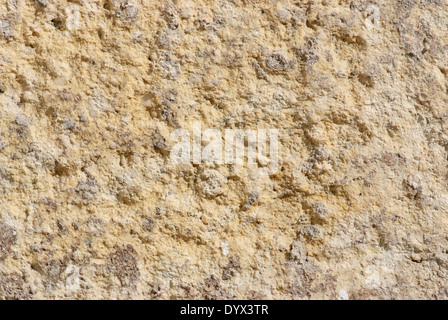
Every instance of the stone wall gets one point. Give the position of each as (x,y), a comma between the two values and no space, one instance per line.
(92,207)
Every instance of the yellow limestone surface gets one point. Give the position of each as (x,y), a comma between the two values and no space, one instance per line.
(92,207)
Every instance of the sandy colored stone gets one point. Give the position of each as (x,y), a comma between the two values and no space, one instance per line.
(92,207)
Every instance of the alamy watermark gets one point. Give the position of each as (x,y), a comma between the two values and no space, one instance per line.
(232,146)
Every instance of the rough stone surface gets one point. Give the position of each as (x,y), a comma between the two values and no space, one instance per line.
(91,206)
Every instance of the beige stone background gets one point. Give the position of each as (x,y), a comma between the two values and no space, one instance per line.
(92,207)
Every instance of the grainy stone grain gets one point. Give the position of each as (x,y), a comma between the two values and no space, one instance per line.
(92,207)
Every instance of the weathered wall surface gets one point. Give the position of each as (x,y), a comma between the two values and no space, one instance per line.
(92,207)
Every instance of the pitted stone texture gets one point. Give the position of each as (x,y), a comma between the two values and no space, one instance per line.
(92,207)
